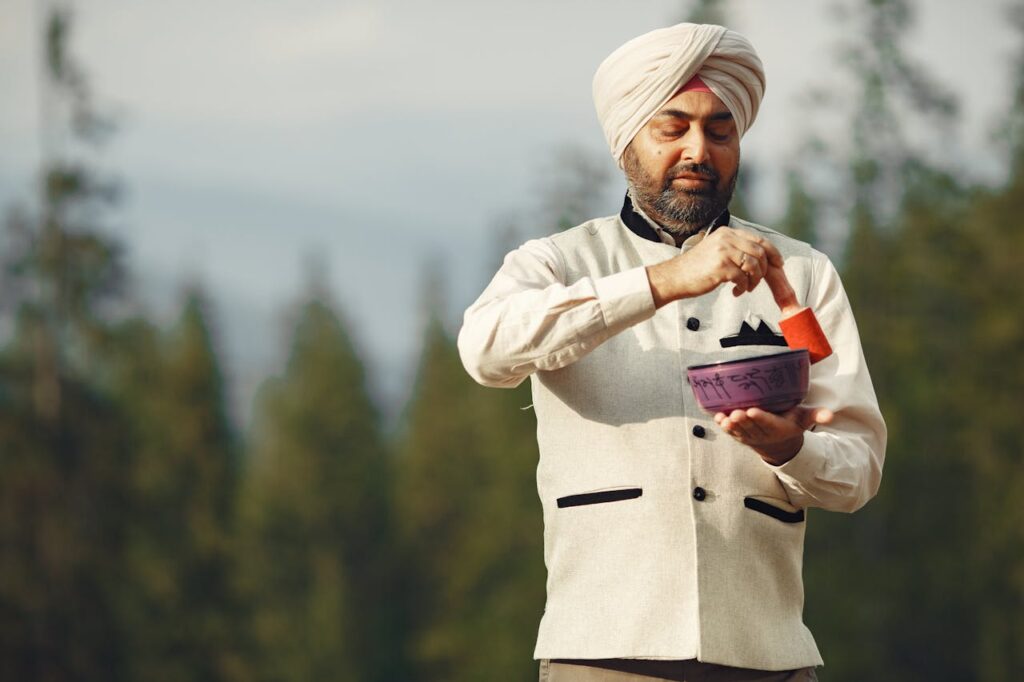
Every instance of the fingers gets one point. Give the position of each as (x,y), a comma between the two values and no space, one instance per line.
(729,255)
(737,424)
(755,426)
(759,246)
(742,425)
(759,260)
(751,272)
(776,438)
(752,255)
(751,265)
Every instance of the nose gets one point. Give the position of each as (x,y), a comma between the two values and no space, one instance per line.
(694,146)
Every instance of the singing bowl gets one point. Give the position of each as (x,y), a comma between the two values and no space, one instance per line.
(775,382)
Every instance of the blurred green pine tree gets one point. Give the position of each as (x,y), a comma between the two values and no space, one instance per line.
(185,618)
(470,521)
(63,514)
(802,214)
(987,375)
(64,454)
(316,550)
(989,362)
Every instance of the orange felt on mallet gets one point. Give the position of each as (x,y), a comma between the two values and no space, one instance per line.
(799,326)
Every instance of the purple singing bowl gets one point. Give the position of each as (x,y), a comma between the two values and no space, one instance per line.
(774,383)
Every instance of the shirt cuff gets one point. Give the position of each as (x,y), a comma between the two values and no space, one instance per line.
(625,298)
(799,473)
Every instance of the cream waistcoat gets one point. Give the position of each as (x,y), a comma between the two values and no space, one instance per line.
(664,538)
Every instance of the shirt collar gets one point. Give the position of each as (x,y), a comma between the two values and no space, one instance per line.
(642,226)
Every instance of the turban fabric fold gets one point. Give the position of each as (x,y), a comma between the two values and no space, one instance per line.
(639,78)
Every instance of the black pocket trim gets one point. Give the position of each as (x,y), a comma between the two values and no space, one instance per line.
(772,511)
(599,497)
(748,336)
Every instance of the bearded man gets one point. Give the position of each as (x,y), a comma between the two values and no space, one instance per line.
(674,540)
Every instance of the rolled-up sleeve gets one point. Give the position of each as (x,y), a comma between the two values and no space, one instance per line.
(840,465)
(529,318)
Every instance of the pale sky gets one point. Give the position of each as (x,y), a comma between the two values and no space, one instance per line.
(377,135)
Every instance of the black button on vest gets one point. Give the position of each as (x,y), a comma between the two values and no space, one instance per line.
(693,324)
(699,431)
(699,494)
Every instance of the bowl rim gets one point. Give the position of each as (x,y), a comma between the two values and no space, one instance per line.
(726,363)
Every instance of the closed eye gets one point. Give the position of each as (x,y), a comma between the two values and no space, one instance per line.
(721,132)
(672,132)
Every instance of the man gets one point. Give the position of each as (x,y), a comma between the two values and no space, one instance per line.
(674,540)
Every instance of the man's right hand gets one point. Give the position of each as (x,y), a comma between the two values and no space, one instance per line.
(726,255)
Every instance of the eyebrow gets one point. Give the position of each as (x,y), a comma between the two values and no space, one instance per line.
(686,116)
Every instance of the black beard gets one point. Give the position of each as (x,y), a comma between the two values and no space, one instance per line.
(681,212)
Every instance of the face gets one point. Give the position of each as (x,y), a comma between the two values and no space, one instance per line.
(682,165)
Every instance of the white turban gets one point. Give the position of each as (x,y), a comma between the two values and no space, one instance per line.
(640,77)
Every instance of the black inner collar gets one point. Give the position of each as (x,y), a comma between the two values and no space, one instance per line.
(641,228)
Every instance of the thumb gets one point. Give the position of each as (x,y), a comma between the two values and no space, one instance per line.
(807,417)
(814,416)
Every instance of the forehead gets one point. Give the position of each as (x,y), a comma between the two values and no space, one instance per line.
(694,104)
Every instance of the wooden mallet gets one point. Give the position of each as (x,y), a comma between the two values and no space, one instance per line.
(799,326)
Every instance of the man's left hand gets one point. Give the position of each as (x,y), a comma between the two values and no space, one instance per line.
(775,437)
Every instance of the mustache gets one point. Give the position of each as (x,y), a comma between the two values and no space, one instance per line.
(703,170)
(699,169)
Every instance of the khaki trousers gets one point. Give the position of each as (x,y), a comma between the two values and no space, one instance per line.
(626,670)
